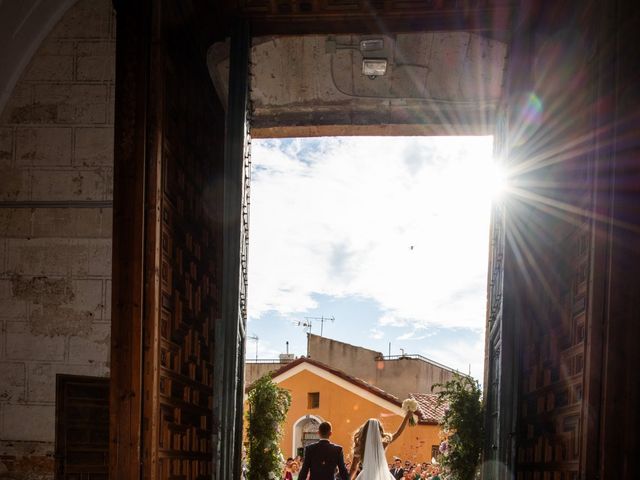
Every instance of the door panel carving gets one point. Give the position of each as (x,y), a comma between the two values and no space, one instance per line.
(179,151)
(549,228)
(190,289)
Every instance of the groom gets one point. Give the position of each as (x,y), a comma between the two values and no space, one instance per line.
(322,458)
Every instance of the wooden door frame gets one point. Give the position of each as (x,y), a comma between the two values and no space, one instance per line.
(133,46)
(504,308)
(136,217)
(231,330)
(614,283)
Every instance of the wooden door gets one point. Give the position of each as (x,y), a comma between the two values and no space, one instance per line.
(561,376)
(580,388)
(169,241)
(82,428)
(500,354)
(493,376)
(508,271)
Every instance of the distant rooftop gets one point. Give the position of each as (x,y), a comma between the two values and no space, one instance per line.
(286,358)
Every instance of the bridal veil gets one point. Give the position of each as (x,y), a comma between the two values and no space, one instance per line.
(374,464)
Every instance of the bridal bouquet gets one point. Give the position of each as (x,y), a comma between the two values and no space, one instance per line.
(410,405)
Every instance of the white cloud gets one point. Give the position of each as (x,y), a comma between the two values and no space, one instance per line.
(415,334)
(376,334)
(388,320)
(461,354)
(401,221)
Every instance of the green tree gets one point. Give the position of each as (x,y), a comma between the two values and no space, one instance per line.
(268,407)
(463,423)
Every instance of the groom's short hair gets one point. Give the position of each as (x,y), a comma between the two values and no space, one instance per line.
(324,429)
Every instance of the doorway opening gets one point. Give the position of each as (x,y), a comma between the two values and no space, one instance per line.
(167,149)
(369,244)
(305,432)
(390,233)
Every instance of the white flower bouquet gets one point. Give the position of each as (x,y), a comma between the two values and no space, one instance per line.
(410,406)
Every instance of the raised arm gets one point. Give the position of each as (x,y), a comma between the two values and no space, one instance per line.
(401,428)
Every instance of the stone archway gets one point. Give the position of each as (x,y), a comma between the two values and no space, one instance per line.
(305,431)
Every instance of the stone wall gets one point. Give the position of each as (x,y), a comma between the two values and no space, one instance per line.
(399,377)
(56,159)
(253,371)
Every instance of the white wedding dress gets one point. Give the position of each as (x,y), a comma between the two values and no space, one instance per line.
(374,466)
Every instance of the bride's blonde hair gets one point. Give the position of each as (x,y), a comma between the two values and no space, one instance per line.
(360,435)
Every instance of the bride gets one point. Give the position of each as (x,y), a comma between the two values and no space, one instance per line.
(369,443)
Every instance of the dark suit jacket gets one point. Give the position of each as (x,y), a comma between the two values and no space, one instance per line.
(399,475)
(321,459)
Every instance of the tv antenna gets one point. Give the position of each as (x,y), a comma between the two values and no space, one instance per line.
(307,325)
(255,338)
(308,322)
(321,319)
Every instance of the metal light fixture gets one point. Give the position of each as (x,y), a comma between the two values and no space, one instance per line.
(374,67)
(372,45)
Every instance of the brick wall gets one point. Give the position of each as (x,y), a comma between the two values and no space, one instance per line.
(56,159)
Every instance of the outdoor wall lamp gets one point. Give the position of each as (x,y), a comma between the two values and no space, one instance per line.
(374,67)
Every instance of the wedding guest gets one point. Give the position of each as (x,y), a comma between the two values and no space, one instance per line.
(436,474)
(287,469)
(397,471)
(295,468)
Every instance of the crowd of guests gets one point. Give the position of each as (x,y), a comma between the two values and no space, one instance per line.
(291,468)
(400,470)
(414,471)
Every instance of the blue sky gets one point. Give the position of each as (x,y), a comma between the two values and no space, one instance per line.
(387,234)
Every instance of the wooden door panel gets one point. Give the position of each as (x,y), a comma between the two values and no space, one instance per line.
(190,145)
(547,301)
(170,397)
(82,428)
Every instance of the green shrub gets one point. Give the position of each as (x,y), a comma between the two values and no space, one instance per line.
(463,427)
(268,406)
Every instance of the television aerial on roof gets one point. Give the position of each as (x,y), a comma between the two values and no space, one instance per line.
(255,338)
(308,322)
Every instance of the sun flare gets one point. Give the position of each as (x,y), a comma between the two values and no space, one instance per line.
(496,180)
(472,179)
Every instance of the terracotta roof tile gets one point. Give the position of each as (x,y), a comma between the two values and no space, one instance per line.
(429,410)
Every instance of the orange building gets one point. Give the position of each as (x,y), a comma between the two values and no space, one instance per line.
(320,393)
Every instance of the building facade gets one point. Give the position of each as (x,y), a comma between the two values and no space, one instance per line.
(399,375)
(321,393)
